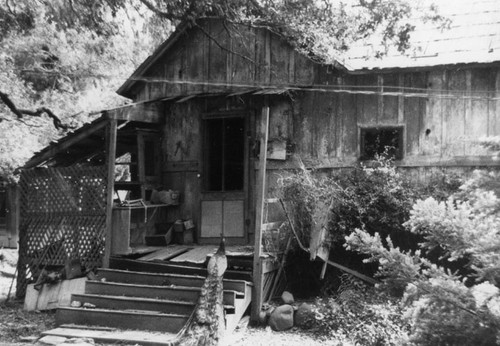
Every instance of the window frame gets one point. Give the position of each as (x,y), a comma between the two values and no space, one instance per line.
(363,129)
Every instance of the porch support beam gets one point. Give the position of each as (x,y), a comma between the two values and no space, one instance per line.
(258,279)
(111,135)
(146,112)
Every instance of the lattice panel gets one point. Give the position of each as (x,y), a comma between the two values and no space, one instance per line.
(63,217)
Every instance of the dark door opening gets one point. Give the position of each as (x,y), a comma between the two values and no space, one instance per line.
(223,198)
(224,158)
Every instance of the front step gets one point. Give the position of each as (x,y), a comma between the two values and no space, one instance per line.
(150,321)
(157,267)
(112,336)
(186,294)
(157,302)
(160,279)
(135,303)
(180,293)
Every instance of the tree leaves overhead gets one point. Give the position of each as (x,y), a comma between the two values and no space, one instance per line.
(322,27)
(58,65)
(68,56)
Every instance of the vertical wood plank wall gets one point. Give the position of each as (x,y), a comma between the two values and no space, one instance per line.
(323,127)
(440,129)
(249,57)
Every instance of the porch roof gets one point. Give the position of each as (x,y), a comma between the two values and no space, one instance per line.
(87,143)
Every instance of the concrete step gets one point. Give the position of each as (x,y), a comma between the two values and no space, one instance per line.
(150,321)
(166,267)
(135,303)
(162,279)
(113,336)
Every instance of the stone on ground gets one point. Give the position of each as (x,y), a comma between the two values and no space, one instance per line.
(281,318)
(78,342)
(52,340)
(304,316)
(287,298)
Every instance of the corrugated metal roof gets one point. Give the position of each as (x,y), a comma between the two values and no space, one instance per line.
(472,36)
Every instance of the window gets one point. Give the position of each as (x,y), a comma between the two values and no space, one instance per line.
(381,141)
(224,152)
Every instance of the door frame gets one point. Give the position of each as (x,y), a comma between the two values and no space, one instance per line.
(226,195)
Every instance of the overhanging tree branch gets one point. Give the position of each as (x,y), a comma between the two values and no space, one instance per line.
(157,11)
(222,47)
(36,113)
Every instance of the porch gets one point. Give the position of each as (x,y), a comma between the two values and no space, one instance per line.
(73,194)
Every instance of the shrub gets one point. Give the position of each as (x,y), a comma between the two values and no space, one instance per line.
(444,307)
(360,315)
(377,199)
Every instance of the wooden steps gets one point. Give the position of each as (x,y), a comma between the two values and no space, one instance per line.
(171,268)
(136,303)
(187,294)
(161,279)
(112,336)
(144,320)
(156,301)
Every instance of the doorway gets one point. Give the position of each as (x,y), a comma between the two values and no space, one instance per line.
(224,178)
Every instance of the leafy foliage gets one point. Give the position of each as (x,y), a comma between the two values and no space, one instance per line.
(321,28)
(69,55)
(66,63)
(377,199)
(360,315)
(446,308)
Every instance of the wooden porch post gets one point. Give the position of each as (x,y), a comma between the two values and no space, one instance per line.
(257,298)
(111,135)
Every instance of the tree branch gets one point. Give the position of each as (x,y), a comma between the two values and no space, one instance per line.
(37,113)
(222,47)
(156,10)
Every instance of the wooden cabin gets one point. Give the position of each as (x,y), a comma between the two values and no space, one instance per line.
(219,110)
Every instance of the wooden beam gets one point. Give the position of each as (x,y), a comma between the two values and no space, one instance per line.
(353,272)
(111,135)
(257,298)
(147,112)
(64,144)
(141,164)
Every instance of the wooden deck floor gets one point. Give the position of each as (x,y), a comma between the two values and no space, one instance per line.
(195,254)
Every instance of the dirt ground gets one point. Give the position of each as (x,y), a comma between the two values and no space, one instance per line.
(20,328)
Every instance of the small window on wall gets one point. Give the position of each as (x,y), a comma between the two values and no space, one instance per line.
(377,141)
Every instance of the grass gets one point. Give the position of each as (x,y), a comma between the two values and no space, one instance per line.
(15,323)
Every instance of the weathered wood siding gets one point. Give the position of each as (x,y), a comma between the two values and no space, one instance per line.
(443,111)
(440,129)
(221,57)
